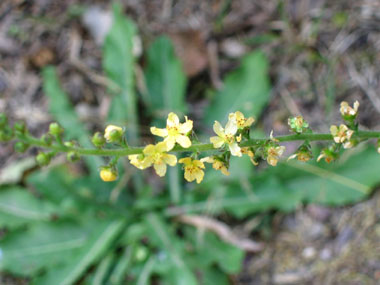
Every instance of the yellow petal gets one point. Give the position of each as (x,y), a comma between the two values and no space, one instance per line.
(172,120)
(189,176)
(217,142)
(224,171)
(198,163)
(185,160)
(207,159)
(198,175)
(184,141)
(186,126)
(163,146)
(333,130)
(218,129)
(249,121)
(149,149)
(170,159)
(235,149)
(159,132)
(169,142)
(231,127)
(160,168)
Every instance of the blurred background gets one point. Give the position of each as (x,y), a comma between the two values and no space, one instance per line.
(89,63)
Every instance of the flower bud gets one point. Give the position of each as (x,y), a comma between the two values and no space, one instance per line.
(113,133)
(72,156)
(70,144)
(20,128)
(20,147)
(108,173)
(328,154)
(55,129)
(43,159)
(298,124)
(6,134)
(349,113)
(98,140)
(3,120)
(47,139)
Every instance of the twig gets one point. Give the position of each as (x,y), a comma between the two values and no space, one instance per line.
(222,230)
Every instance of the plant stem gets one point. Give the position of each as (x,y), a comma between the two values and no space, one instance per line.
(194,148)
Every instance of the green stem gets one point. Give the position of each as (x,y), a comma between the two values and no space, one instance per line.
(195,147)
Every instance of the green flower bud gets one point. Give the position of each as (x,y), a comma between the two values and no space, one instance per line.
(47,139)
(70,144)
(20,128)
(6,134)
(72,156)
(20,147)
(55,129)
(98,140)
(3,120)
(113,134)
(43,159)
(298,124)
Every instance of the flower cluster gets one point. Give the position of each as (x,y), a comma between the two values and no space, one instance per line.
(231,139)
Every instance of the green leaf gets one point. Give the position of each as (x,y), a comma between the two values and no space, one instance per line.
(339,184)
(118,64)
(171,262)
(62,110)
(40,246)
(245,89)
(19,207)
(211,250)
(95,246)
(165,79)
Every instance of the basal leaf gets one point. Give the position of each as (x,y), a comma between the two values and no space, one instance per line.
(62,111)
(94,247)
(165,79)
(245,89)
(19,207)
(118,64)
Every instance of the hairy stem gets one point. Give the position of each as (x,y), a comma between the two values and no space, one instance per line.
(194,148)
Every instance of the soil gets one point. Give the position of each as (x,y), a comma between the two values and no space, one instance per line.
(321,52)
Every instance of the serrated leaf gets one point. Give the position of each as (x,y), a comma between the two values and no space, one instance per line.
(118,64)
(165,79)
(62,111)
(245,89)
(19,207)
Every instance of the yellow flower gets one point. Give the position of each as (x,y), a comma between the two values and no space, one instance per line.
(227,136)
(156,155)
(113,133)
(274,153)
(174,131)
(108,174)
(139,161)
(327,155)
(193,169)
(348,111)
(250,153)
(301,156)
(341,134)
(216,164)
(241,121)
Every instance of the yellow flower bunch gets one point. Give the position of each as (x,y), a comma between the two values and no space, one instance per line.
(175,132)
(228,136)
